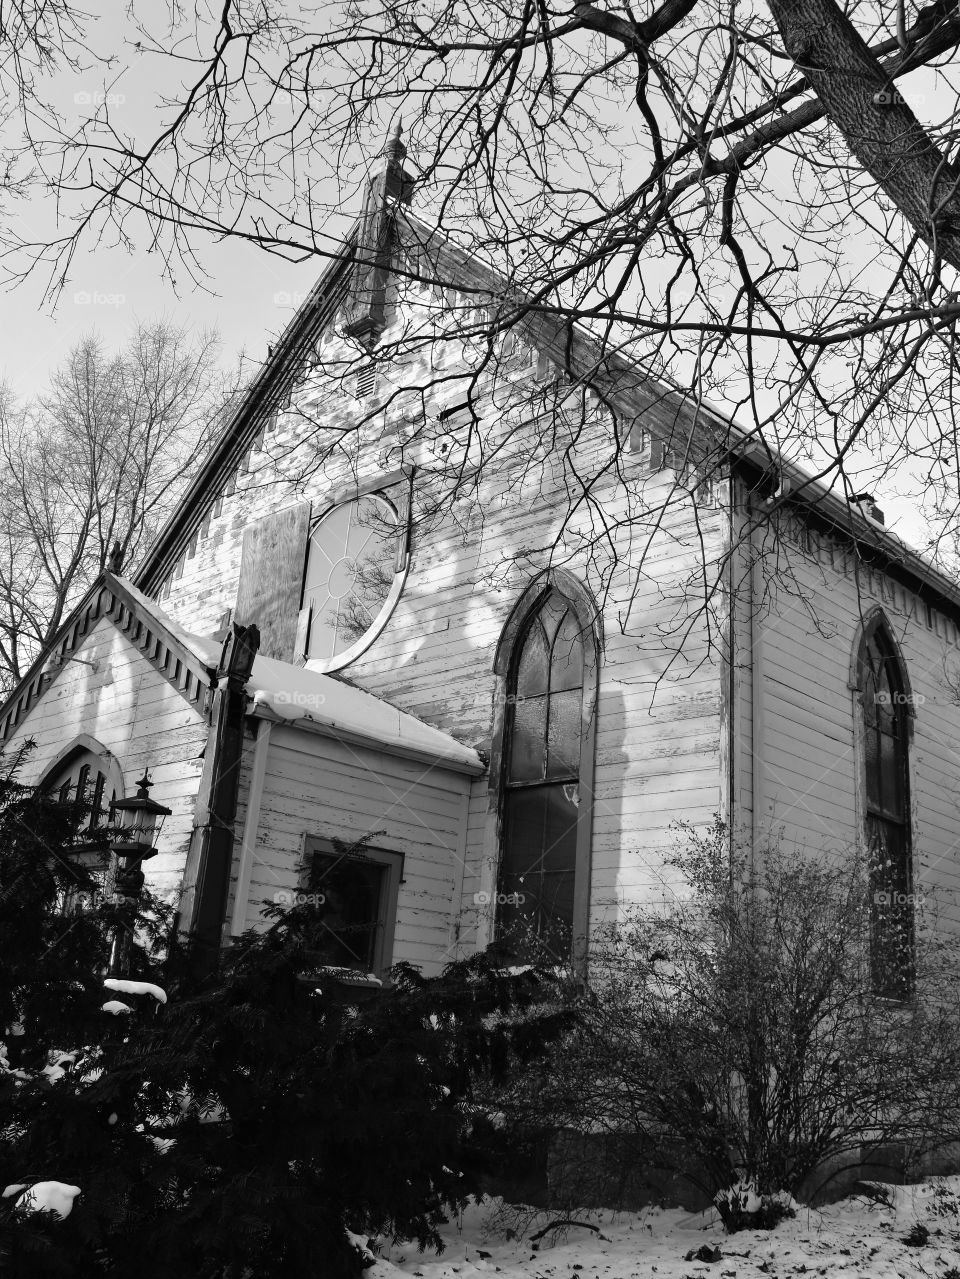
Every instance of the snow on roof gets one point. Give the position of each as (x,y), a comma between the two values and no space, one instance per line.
(298,695)
(310,699)
(204,649)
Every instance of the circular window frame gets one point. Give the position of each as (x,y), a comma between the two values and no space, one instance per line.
(326,665)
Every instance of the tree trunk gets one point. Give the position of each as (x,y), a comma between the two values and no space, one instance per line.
(880,130)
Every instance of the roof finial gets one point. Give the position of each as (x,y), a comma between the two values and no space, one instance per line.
(393,148)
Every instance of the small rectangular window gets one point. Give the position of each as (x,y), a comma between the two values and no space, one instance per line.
(356,892)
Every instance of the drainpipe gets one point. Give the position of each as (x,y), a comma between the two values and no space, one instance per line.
(210,859)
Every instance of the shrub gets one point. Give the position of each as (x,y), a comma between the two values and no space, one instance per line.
(731,1032)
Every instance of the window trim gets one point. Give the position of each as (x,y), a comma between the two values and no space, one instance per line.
(393,862)
(872,623)
(386,488)
(514,631)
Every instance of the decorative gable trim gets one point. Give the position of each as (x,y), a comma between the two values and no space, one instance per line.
(110,598)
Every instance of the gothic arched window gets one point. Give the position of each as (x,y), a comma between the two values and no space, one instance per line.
(886,723)
(543,888)
(90,778)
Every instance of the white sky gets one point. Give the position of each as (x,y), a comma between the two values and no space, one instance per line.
(110,289)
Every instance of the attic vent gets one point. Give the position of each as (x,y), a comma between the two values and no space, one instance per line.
(366,380)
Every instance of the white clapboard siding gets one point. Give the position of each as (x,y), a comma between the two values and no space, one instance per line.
(810,771)
(137,715)
(658,726)
(315,785)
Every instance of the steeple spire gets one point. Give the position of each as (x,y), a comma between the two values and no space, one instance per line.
(393,148)
(388,185)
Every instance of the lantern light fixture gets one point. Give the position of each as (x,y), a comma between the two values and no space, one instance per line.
(139,823)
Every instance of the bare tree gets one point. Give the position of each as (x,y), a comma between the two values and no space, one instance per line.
(94,464)
(756,204)
(752,205)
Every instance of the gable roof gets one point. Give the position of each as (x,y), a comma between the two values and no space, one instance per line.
(277,690)
(657,404)
(190,667)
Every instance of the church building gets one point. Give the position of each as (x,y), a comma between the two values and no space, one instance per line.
(464,612)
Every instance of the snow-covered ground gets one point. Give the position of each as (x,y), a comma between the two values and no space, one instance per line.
(855,1237)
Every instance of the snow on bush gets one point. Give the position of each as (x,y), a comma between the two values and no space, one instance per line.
(48,1196)
(741,1208)
(115,1006)
(124,987)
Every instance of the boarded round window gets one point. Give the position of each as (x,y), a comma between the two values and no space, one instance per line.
(352,578)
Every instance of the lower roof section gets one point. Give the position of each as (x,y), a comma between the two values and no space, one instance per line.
(320,703)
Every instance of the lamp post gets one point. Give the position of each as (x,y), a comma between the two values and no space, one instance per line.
(139,822)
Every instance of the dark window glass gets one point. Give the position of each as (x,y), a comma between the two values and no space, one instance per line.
(83,781)
(528,743)
(98,814)
(351,910)
(563,734)
(887,819)
(533,671)
(566,667)
(541,788)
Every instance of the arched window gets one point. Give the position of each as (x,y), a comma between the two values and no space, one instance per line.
(886,706)
(546,784)
(92,778)
(353,577)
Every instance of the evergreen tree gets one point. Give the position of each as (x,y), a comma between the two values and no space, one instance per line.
(56,926)
(266,1121)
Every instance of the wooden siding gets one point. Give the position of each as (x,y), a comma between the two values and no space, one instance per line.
(140,718)
(808,775)
(658,748)
(314,785)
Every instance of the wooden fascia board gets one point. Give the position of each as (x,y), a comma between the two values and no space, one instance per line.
(78,626)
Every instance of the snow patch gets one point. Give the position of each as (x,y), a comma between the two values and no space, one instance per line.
(124,987)
(114,1006)
(49,1196)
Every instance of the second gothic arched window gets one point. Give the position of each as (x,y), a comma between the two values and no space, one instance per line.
(886,725)
(541,782)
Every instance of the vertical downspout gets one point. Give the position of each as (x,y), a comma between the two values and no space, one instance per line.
(756,689)
(732,814)
(211,844)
